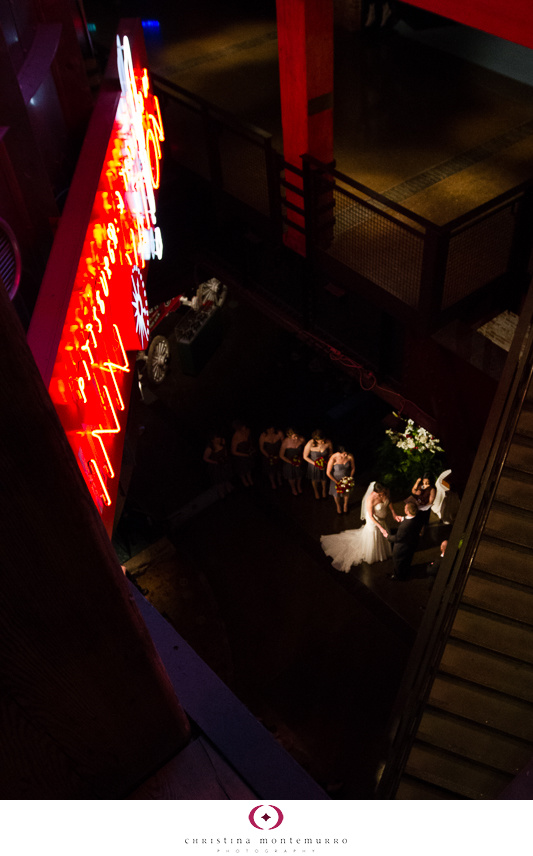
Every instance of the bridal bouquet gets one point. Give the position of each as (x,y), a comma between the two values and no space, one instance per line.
(320,463)
(405,455)
(296,461)
(273,459)
(345,485)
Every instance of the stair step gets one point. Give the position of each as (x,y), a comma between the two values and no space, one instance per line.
(414,789)
(458,775)
(475,742)
(509,525)
(520,457)
(525,422)
(494,634)
(509,715)
(504,561)
(496,672)
(515,492)
(510,600)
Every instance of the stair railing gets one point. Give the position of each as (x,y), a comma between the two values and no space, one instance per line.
(462,545)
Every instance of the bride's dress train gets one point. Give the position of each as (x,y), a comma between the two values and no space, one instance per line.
(353,546)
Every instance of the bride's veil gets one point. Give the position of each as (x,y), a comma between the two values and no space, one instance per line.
(369,490)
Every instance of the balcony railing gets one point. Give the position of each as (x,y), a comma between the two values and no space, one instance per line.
(462,545)
(394,258)
(422,271)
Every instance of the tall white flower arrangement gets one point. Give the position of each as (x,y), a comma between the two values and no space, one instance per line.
(414,438)
(405,455)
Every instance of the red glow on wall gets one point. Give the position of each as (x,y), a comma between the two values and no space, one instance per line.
(511,21)
(107,314)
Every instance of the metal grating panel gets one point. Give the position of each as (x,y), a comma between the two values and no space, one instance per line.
(385,251)
(185,126)
(477,255)
(244,169)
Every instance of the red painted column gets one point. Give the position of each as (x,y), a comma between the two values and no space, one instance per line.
(305,45)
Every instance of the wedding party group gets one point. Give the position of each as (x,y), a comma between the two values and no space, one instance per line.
(285,456)
(288,457)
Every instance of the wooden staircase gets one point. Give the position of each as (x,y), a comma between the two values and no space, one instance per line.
(476,730)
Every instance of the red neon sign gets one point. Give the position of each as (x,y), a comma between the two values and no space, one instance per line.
(108,314)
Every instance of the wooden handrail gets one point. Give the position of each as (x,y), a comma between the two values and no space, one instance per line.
(228,118)
(462,545)
(473,214)
(372,194)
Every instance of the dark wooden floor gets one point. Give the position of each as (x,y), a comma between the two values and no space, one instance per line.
(317,655)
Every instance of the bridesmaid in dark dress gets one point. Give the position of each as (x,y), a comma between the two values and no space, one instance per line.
(340,465)
(269,445)
(316,453)
(291,453)
(218,463)
(243,451)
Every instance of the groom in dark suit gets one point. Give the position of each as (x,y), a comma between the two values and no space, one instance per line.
(404,542)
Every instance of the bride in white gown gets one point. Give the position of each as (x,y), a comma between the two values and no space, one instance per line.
(366,544)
